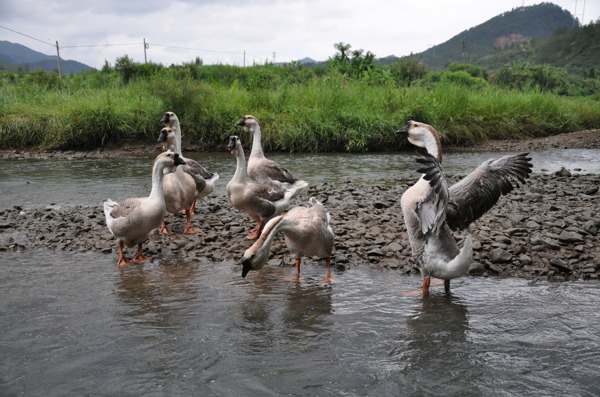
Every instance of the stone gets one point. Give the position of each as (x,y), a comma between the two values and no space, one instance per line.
(499,255)
(570,237)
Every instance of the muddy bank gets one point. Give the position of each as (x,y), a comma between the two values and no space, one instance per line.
(588,139)
(547,229)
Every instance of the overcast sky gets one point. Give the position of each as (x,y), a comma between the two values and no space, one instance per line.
(220,31)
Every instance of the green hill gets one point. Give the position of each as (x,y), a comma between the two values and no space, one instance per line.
(518,26)
(577,50)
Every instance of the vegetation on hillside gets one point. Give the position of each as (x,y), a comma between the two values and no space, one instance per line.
(577,50)
(350,105)
(471,45)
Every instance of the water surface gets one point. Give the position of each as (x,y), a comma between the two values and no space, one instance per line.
(74,324)
(91,181)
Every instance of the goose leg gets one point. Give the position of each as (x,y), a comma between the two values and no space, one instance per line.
(192,210)
(329,279)
(447,286)
(254,233)
(297,270)
(426,282)
(164,229)
(122,260)
(138,258)
(188,223)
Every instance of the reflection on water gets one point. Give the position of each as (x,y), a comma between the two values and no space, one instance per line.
(74,324)
(91,181)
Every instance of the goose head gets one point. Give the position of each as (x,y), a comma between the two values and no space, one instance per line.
(169,118)
(167,136)
(169,161)
(250,123)
(423,136)
(234,144)
(254,259)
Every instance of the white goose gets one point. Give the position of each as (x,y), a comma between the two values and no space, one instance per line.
(205,180)
(132,220)
(431,209)
(260,201)
(172,139)
(307,233)
(260,168)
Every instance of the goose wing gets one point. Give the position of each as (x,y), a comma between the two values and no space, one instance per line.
(272,170)
(267,192)
(431,209)
(196,168)
(125,208)
(479,191)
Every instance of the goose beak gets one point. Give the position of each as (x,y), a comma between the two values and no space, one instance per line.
(162,137)
(164,118)
(231,143)
(404,130)
(246,266)
(241,121)
(178,160)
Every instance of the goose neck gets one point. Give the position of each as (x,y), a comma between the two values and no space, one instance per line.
(257,150)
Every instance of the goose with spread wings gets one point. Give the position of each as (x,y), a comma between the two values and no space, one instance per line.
(432,209)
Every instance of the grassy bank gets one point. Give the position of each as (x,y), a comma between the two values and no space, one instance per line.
(299,111)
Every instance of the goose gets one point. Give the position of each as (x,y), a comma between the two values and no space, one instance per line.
(260,168)
(179,190)
(259,200)
(172,140)
(205,180)
(131,221)
(432,210)
(307,233)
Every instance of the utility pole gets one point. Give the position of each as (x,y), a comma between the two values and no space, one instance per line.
(244,58)
(58,59)
(146,46)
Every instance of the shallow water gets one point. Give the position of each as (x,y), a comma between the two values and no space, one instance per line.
(74,324)
(32,183)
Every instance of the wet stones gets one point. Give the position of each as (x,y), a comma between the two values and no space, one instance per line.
(547,228)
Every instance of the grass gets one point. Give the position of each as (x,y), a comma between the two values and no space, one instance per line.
(309,113)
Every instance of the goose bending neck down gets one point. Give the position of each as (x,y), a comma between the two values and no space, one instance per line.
(260,168)
(432,209)
(307,232)
(259,200)
(132,220)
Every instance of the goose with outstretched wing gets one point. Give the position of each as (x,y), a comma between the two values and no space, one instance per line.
(432,209)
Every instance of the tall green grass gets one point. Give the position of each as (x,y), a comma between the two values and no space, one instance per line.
(307,113)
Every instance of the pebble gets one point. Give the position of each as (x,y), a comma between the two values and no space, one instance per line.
(533,232)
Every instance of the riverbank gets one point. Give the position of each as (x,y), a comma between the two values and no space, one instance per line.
(546,229)
(587,139)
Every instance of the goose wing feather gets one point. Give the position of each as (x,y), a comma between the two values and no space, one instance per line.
(431,209)
(125,208)
(272,170)
(479,191)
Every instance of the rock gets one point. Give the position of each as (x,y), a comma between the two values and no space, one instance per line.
(525,259)
(563,172)
(499,255)
(394,247)
(559,265)
(570,237)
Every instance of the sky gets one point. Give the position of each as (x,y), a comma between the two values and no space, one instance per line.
(95,32)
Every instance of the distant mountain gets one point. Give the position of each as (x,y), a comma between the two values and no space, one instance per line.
(306,60)
(575,49)
(516,27)
(13,56)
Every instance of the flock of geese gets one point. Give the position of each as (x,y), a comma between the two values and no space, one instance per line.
(263,190)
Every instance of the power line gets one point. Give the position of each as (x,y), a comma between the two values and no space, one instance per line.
(26,35)
(98,45)
(146,45)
